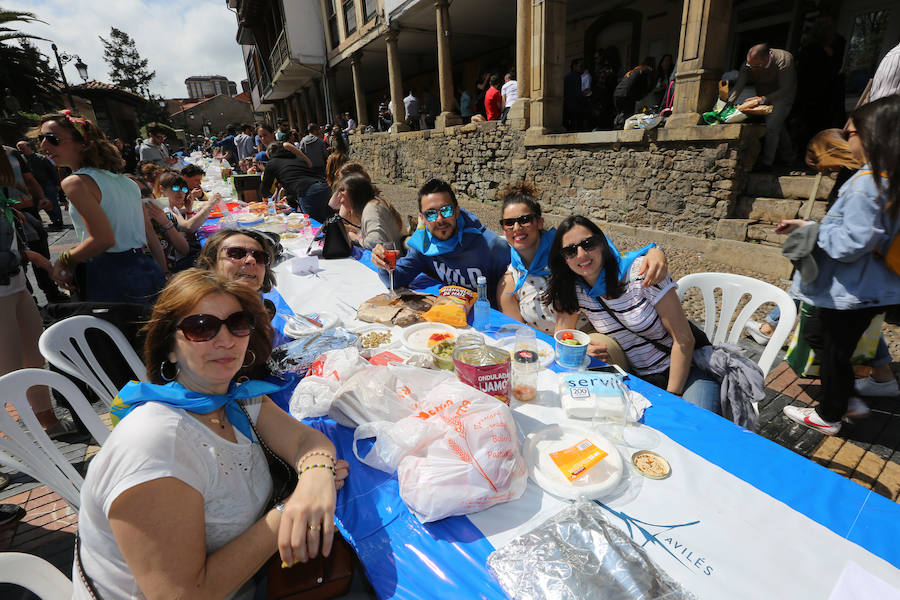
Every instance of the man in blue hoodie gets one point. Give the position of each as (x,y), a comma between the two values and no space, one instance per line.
(454,247)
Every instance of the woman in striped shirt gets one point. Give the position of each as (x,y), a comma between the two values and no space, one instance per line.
(588,276)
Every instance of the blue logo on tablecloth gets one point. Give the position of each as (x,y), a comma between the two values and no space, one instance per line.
(664,539)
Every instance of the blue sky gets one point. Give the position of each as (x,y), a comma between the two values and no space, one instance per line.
(180,37)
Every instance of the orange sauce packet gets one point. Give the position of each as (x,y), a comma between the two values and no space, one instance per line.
(575,461)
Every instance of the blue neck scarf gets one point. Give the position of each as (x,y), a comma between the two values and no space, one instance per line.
(176,395)
(539,266)
(625,261)
(423,242)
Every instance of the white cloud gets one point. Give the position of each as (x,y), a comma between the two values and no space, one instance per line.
(179,37)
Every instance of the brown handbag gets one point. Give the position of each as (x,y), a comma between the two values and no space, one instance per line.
(316,579)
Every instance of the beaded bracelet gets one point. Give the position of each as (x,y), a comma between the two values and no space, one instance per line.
(65,259)
(316,466)
(316,453)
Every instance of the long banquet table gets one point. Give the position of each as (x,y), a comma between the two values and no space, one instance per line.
(740,516)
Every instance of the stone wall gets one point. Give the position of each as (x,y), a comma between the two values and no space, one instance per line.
(683,180)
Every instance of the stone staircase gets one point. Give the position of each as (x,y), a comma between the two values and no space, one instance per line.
(766,200)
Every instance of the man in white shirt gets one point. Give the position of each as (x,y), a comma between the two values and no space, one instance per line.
(411,103)
(509,93)
(887,77)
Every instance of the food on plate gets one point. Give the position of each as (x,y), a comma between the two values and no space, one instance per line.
(404,310)
(452,306)
(259,208)
(440,336)
(374,339)
(650,464)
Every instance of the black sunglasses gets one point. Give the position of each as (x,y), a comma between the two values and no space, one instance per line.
(523,221)
(238,253)
(445,211)
(50,137)
(202,328)
(589,243)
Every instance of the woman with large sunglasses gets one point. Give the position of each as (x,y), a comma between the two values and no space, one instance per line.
(108,264)
(851,250)
(589,276)
(174,504)
(521,291)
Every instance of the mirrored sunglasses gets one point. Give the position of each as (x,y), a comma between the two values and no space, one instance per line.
(522,220)
(432,213)
(202,328)
(588,244)
(238,253)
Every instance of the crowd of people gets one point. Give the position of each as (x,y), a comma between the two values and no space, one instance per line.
(179,500)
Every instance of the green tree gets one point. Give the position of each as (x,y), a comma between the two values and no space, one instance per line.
(126,67)
(25,73)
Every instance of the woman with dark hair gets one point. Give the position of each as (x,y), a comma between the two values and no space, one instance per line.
(521,291)
(589,276)
(244,255)
(854,282)
(336,159)
(175,503)
(108,264)
(362,203)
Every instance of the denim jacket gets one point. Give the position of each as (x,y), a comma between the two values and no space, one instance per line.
(851,275)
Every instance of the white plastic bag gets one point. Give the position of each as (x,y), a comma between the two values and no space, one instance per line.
(314,394)
(456,454)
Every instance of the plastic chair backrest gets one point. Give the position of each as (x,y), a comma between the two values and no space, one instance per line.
(734,287)
(26,446)
(35,575)
(64,345)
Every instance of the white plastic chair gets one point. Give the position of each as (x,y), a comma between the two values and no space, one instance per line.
(64,345)
(26,447)
(734,287)
(35,575)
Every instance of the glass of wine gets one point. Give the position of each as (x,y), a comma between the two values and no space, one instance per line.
(390,257)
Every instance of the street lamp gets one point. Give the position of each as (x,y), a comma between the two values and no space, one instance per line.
(66,58)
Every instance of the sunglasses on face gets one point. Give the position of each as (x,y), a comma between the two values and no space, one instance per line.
(432,213)
(50,137)
(238,253)
(202,328)
(590,243)
(180,189)
(523,221)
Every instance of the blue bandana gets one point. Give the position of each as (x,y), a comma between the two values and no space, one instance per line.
(176,395)
(539,266)
(423,242)
(625,261)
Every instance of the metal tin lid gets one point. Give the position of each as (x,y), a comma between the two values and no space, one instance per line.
(650,464)
(525,356)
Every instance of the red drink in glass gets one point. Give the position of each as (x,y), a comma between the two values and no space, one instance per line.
(390,257)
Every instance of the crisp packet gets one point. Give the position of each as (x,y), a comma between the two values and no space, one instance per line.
(452,306)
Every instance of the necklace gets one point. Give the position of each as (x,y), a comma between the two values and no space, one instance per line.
(219,422)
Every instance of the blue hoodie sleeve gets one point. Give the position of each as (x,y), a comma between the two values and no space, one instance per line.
(408,268)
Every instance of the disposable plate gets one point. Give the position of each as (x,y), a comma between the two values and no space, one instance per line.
(599,481)
(546,354)
(298,326)
(415,337)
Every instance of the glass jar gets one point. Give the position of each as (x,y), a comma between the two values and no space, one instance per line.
(524,375)
(485,368)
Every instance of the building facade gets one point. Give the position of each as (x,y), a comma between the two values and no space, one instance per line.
(204,86)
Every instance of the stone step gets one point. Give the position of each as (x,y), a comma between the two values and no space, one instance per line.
(773,210)
(762,185)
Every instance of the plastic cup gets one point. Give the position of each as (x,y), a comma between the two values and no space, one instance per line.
(571,355)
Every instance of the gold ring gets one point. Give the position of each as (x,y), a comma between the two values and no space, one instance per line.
(315,527)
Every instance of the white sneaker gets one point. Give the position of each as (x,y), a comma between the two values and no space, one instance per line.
(807,416)
(754,331)
(866,386)
(856,409)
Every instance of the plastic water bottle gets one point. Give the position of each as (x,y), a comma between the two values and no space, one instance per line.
(482,319)
(270,206)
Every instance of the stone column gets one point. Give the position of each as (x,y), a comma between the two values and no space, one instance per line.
(518,112)
(319,96)
(334,109)
(362,116)
(289,109)
(704,32)
(448,116)
(548,40)
(308,108)
(396,83)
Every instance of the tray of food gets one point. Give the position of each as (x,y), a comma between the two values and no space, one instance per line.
(406,309)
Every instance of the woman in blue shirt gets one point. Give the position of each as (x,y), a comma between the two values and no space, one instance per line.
(854,284)
(108,264)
